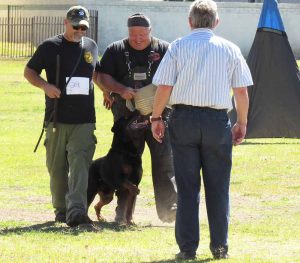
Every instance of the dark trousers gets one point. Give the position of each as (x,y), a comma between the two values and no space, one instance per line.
(162,175)
(201,140)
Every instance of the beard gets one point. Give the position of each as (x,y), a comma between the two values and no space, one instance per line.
(77,36)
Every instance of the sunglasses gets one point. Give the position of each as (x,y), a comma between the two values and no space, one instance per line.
(82,28)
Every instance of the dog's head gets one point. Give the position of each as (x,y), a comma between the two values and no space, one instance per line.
(123,139)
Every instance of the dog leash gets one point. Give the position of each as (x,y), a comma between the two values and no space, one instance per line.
(55,106)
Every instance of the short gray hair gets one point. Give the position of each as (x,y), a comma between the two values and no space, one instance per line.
(203,14)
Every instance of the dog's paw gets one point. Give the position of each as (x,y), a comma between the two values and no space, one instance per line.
(101,218)
(132,188)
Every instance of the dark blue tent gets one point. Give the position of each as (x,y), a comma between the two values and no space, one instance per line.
(274,109)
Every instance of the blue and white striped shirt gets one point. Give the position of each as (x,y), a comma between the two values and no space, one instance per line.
(202,68)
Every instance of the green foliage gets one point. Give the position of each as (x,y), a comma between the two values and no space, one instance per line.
(265,204)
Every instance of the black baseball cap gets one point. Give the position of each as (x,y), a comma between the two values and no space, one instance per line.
(138,19)
(78,16)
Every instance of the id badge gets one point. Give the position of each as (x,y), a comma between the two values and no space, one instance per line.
(78,86)
(139,76)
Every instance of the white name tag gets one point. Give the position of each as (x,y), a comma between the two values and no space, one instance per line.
(78,86)
(139,76)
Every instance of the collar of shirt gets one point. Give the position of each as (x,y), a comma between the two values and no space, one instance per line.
(202,32)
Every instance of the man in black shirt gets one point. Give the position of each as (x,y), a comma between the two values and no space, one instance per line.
(69,60)
(126,66)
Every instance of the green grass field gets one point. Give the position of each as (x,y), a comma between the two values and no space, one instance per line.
(265,200)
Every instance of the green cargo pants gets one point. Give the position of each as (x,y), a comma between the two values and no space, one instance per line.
(69,153)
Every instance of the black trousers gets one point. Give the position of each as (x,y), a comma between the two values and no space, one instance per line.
(201,141)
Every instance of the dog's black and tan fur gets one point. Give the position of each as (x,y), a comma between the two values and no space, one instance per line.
(120,169)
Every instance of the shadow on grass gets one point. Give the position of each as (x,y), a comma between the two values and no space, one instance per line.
(53,227)
(271,143)
(157,226)
(178,261)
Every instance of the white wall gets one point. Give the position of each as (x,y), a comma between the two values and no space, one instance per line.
(169,19)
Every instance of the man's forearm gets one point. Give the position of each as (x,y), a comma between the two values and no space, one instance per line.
(161,99)
(110,84)
(96,80)
(241,104)
(34,78)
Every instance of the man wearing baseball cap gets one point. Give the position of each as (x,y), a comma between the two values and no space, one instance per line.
(69,60)
(78,16)
(127,66)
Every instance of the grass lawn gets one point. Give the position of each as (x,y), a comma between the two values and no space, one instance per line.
(265,200)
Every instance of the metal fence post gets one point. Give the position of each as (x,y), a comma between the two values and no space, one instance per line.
(32,20)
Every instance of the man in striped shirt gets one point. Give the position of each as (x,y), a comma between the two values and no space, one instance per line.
(195,77)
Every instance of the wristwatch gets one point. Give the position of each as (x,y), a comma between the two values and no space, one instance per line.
(152,119)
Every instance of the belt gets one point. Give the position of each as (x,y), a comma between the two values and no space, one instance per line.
(190,107)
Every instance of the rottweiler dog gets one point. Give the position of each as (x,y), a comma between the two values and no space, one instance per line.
(120,170)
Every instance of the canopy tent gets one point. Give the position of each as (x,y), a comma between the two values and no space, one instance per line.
(274,109)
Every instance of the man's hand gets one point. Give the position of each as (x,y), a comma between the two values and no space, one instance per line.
(128,93)
(161,99)
(35,79)
(158,130)
(108,100)
(241,101)
(111,85)
(51,91)
(238,133)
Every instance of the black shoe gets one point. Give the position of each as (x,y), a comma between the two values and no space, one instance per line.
(78,220)
(220,252)
(60,217)
(185,255)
